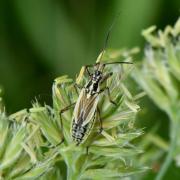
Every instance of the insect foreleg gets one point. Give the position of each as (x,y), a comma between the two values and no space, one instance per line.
(87,68)
(77,87)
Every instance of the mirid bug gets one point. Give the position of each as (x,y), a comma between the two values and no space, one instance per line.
(86,109)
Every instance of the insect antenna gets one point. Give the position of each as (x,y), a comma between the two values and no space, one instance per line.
(118,62)
(110,63)
(107,37)
(100,66)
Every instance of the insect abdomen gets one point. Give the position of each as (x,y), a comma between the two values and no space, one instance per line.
(78,132)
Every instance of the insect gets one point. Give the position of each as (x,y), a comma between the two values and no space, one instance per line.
(86,109)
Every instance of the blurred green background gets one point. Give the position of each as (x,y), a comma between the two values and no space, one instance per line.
(43,39)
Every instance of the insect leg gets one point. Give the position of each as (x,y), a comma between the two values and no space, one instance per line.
(60,113)
(87,150)
(109,96)
(98,112)
(100,121)
(64,110)
(106,77)
(100,129)
(107,88)
(58,144)
(87,68)
(77,87)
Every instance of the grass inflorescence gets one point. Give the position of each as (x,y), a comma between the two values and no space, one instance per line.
(159,76)
(30,139)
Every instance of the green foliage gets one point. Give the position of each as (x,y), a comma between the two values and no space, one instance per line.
(159,76)
(113,145)
(30,139)
(18,156)
(41,39)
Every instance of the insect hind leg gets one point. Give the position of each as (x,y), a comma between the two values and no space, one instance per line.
(58,144)
(87,150)
(100,128)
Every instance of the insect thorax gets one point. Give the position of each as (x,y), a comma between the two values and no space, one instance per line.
(93,85)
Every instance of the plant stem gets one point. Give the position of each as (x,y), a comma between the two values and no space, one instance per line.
(169,157)
(71,175)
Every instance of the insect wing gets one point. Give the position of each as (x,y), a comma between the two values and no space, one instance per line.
(85,108)
(90,109)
